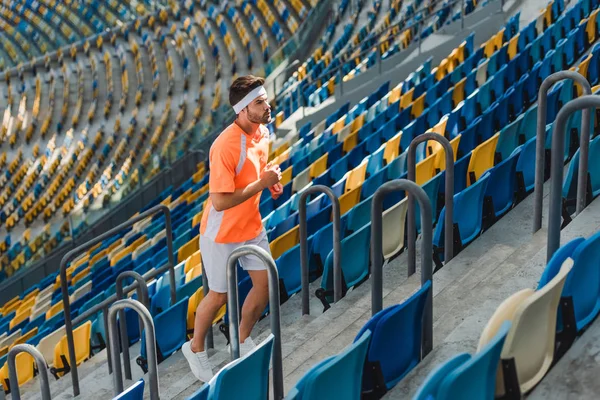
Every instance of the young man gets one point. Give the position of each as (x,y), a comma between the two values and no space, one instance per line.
(238,174)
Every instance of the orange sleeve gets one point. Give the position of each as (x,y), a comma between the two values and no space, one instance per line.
(223,161)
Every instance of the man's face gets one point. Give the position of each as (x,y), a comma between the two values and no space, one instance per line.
(259,111)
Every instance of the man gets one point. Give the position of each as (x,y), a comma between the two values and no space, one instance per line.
(238,174)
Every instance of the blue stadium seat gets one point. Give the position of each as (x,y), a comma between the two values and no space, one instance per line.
(501,188)
(468,212)
(396,344)
(170,328)
(355,260)
(201,394)
(288,266)
(335,377)
(465,377)
(133,392)
(160,301)
(508,140)
(246,377)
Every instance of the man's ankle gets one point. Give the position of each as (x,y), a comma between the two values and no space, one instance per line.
(196,348)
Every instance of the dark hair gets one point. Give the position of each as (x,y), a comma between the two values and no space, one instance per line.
(242,86)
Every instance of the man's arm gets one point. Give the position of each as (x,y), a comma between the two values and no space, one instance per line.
(269,177)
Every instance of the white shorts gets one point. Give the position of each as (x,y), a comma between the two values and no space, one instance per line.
(215,256)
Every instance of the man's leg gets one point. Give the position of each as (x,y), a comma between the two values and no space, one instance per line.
(255,302)
(205,313)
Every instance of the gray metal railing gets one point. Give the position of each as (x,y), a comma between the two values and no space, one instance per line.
(337,246)
(540,144)
(448,200)
(142,293)
(426,251)
(150,344)
(556,174)
(274,314)
(104,304)
(41,365)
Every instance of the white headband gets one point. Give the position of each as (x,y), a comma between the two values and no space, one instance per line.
(249,98)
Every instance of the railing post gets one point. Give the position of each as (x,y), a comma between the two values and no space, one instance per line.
(337,246)
(142,292)
(540,143)
(426,247)
(556,173)
(41,366)
(161,208)
(150,344)
(448,199)
(233,307)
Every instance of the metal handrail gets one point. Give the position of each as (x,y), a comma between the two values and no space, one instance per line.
(233,308)
(426,247)
(161,208)
(150,344)
(41,365)
(540,146)
(337,246)
(142,293)
(556,174)
(448,199)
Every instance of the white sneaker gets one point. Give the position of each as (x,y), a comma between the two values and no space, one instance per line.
(245,347)
(199,363)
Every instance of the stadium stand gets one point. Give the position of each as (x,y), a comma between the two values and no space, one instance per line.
(482,99)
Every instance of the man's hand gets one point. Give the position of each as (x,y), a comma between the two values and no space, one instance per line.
(276,190)
(271,175)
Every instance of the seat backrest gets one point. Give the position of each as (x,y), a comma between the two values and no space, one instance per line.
(340,377)
(47,344)
(582,283)
(468,209)
(429,389)
(133,392)
(501,187)
(553,267)
(475,379)
(482,159)
(170,326)
(285,242)
(356,177)
(440,160)
(532,337)
(392,148)
(526,163)
(246,377)
(393,228)
(425,170)
(505,312)
(349,200)
(396,343)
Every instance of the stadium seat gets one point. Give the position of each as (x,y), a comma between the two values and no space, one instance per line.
(335,377)
(133,392)
(529,346)
(246,377)
(81,339)
(393,229)
(465,376)
(396,343)
(482,159)
(501,188)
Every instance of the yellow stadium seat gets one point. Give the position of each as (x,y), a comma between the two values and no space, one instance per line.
(358,123)
(349,199)
(392,148)
(440,154)
(338,125)
(458,94)
(20,317)
(356,177)
(192,261)
(418,106)
(285,242)
(591,26)
(482,159)
(10,304)
(55,309)
(286,176)
(188,249)
(395,94)
(583,70)
(425,170)
(406,99)
(81,339)
(197,219)
(24,364)
(350,142)
(318,167)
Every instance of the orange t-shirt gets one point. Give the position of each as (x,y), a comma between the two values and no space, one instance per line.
(236,160)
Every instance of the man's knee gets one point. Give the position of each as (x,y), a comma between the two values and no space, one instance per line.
(217,298)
